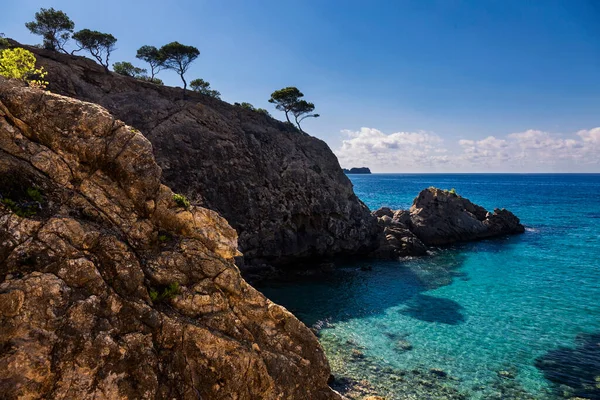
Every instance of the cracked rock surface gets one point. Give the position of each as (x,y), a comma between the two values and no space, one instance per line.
(84,277)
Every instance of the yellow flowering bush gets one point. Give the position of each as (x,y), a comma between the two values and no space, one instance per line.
(19,63)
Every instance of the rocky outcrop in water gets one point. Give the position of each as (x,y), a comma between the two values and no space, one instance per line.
(357,170)
(440,217)
(397,240)
(110,288)
(282,190)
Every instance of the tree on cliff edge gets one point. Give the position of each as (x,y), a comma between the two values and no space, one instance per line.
(153,57)
(54,26)
(178,57)
(99,44)
(302,110)
(202,86)
(128,69)
(289,101)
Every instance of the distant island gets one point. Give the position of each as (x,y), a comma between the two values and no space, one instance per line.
(361,170)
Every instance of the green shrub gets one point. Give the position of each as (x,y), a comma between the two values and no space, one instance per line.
(453,191)
(19,64)
(34,194)
(167,293)
(153,295)
(21,211)
(23,206)
(181,201)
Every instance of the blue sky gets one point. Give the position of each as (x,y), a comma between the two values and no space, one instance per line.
(401,86)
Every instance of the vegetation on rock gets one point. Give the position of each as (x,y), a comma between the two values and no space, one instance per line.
(166,294)
(19,64)
(27,206)
(178,57)
(128,69)
(99,44)
(202,86)
(54,26)
(153,57)
(57,28)
(250,107)
(289,101)
(181,201)
(3,41)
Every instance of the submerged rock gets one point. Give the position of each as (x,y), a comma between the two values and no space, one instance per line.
(404,345)
(113,289)
(576,370)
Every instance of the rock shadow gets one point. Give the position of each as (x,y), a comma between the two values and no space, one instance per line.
(434,309)
(578,367)
(355,292)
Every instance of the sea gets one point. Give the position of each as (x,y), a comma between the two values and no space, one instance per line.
(515,317)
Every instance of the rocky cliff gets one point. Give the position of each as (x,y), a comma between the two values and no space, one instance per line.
(108,288)
(439,217)
(283,191)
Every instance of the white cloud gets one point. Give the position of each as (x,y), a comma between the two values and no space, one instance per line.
(529,151)
(403,150)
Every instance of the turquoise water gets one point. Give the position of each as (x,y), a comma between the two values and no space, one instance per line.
(481,312)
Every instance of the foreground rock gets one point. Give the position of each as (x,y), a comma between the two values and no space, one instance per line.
(439,217)
(110,290)
(283,191)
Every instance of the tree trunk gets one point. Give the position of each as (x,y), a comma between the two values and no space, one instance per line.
(287,117)
(184,85)
(298,123)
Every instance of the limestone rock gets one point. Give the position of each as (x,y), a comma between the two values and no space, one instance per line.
(95,303)
(439,217)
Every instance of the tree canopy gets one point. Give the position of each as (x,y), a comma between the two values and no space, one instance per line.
(302,110)
(152,56)
(178,57)
(289,101)
(19,63)
(54,26)
(99,44)
(202,86)
(128,69)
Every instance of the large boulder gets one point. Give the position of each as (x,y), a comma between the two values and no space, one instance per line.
(111,289)
(396,240)
(439,217)
(282,190)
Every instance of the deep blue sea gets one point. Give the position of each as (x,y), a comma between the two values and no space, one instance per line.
(510,318)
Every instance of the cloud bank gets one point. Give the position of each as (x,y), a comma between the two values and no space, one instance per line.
(529,151)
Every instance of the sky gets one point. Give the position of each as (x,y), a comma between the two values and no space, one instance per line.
(401,86)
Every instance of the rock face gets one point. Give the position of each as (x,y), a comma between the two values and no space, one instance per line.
(110,290)
(283,191)
(439,217)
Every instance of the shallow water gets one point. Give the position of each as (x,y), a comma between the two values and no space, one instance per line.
(483,312)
